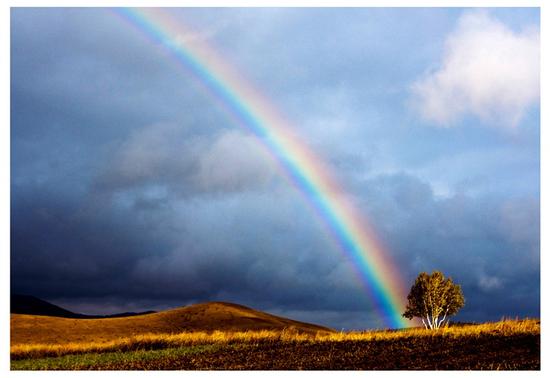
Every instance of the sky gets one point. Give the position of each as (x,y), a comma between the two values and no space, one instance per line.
(133,189)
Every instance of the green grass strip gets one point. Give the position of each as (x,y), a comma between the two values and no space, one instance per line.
(96,360)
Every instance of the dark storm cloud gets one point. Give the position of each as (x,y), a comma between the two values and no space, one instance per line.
(489,245)
(203,251)
(131,190)
(63,246)
(103,251)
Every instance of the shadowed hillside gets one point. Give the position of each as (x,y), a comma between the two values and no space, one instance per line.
(27,329)
(29,305)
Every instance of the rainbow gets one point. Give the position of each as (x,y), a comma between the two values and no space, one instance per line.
(352,233)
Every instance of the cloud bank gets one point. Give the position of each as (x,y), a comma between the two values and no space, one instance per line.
(487,70)
(162,155)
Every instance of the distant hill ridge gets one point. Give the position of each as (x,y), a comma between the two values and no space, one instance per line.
(30,305)
(206,317)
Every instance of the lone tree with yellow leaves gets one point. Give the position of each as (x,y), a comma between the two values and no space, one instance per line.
(433,298)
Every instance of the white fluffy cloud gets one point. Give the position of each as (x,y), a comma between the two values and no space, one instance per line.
(487,70)
(234,161)
(163,155)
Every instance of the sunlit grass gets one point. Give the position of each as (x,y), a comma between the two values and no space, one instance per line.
(98,360)
(164,341)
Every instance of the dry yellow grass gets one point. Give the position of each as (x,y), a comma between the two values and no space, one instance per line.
(207,317)
(291,335)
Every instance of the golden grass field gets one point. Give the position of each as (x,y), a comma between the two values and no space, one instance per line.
(225,336)
(36,329)
(159,341)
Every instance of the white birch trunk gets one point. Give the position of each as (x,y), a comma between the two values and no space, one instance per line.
(435,322)
(443,319)
(429,323)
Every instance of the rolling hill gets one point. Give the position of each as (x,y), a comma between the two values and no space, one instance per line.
(211,316)
(29,305)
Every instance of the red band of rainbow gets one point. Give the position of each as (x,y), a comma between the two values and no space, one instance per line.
(352,233)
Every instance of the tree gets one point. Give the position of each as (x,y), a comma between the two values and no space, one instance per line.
(433,298)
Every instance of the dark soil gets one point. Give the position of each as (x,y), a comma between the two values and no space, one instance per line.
(486,352)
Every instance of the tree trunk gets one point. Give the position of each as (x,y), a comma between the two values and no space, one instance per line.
(423,322)
(443,319)
(430,325)
(435,322)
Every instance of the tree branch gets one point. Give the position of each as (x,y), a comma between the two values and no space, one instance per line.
(444,316)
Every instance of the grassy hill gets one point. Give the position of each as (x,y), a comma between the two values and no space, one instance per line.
(227,336)
(36,329)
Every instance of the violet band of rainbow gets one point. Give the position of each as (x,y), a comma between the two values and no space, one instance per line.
(351,232)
